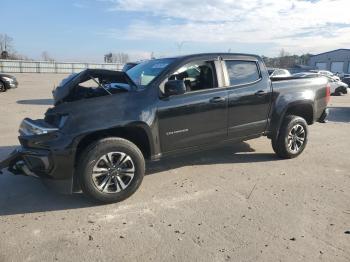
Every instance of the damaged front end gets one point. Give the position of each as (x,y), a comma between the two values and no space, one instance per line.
(48,146)
(105,82)
(26,160)
(18,163)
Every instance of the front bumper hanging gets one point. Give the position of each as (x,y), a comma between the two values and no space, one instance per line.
(12,158)
(22,162)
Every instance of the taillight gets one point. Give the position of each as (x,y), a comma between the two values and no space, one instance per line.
(328,93)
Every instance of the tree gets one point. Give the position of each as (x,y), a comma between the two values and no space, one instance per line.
(6,43)
(286,60)
(7,50)
(46,57)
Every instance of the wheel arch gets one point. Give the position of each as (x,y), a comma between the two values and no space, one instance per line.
(304,109)
(136,132)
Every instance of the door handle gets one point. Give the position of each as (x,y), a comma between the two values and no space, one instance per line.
(217,99)
(260,93)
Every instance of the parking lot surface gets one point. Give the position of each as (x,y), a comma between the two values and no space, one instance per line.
(238,203)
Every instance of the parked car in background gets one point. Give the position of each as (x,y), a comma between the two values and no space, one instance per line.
(277,72)
(96,139)
(326,73)
(346,79)
(305,75)
(337,87)
(7,82)
(340,87)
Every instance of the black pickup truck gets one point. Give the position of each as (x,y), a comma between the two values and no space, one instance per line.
(104,124)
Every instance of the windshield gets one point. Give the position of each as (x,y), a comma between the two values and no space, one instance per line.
(144,73)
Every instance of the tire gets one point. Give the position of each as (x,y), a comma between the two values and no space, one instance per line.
(2,87)
(292,138)
(103,178)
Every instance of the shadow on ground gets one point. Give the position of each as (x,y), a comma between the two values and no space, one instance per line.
(47,102)
(232,153)
(20,194)
(339,114)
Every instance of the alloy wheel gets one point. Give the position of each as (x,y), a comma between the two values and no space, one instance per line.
(296,138)
(113,172)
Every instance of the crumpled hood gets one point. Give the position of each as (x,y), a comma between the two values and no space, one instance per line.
(69,84)
(103,112)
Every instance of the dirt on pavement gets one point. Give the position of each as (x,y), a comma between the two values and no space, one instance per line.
(237,203)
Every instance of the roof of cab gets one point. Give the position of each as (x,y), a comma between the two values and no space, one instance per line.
(199,55)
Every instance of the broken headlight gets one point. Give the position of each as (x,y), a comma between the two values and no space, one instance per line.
(35,127)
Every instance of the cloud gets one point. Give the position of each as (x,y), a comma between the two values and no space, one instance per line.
(296,25)
(80,5)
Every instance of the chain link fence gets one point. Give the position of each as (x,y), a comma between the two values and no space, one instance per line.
(24,66)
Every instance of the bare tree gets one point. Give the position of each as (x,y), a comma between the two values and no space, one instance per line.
(286,60)
(7,50)
(6,43)
(46,57)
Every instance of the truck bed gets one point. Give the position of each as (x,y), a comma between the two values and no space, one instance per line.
(312,89)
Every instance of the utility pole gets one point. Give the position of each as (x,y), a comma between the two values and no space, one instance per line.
(180,46)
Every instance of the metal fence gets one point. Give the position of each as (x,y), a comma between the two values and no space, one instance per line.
(24,66)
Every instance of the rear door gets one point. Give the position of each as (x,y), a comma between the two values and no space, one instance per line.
(199,116)
(249,96)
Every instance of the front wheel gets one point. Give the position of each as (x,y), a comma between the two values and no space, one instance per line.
(2,87)
(111,170)
(292,138)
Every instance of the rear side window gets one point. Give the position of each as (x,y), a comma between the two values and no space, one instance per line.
(242,72)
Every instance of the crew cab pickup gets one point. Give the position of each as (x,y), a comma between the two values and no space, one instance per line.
(105,124)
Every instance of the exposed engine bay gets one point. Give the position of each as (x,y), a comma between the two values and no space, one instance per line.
(92,83)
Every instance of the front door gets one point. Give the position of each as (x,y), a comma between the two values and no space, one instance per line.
(197,117)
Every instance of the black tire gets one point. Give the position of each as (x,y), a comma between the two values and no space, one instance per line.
(93,156)
(2,87)
(287,147)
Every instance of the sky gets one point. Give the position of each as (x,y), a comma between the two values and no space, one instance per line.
(85,30)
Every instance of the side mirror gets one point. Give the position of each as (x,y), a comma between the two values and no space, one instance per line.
(174,87)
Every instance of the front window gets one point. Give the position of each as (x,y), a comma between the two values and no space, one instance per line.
(197,75)
(144,73)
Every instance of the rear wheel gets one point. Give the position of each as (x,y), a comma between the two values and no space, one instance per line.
(292,138)
(111,170)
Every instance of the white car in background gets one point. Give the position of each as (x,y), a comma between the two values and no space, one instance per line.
(337,87)
(277,72)
(326,73)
